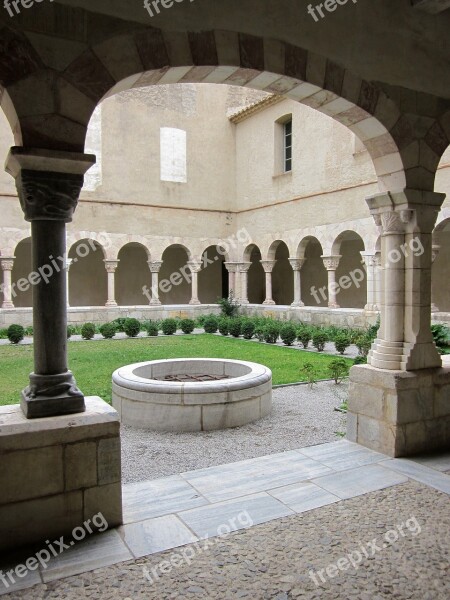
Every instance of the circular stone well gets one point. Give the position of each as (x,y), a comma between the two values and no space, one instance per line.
(192,394)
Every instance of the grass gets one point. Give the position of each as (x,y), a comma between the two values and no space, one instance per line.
(93,362)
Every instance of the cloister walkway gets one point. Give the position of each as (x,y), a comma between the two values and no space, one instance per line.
(184,509)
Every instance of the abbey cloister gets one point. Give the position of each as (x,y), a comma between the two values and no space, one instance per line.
(155,163)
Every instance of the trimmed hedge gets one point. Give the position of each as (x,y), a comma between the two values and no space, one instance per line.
(169,326)
(15,333)
(88,331)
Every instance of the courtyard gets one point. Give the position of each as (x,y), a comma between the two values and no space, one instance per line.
(225,300)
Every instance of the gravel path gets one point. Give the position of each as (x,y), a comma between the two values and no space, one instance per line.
(301,417)
(273,561)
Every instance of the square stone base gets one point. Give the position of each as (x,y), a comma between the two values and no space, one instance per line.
(58,472)
(399,413)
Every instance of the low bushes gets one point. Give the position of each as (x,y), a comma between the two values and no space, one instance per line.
(108,330)
(132,327)
(88,331)
(304,335)
(234,327)
(271,333)
(288,334)
(319,340)
(187,325)
(223,326)
(342,342)
(248,329)
(169,326)
(211,324)
(152,329)
(15,333)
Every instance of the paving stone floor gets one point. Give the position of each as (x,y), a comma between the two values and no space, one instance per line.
(300,515)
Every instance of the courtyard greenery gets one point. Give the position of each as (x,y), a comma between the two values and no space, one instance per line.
(108,355)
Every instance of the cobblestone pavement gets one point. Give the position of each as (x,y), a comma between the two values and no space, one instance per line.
(274,561)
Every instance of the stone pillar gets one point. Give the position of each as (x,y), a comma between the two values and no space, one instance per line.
(434,254)
(268,266)
(370,262)
(7,264)
(406,220)
(67,264)
(155,267)
(331,264)
(398,402)
(297,265)
(195,268)
(243,272)
(48,184)
(111,267)
(232,270)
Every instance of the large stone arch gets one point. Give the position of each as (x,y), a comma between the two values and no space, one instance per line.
(150,56)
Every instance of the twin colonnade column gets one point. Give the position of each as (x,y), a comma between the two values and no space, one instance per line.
(331,264)
(49,184)
(7,264)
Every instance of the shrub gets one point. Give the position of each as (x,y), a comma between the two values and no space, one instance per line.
(304,336)
(169,326)
(15,333)
(235,327)
(70,331)
(338,369)
(29,331)
(360,360)
(341,342)
(119,323)
(309,372)
(187,325)
(319,340)
(211,324)
(229,306)
(248,329)
(372,331)
(363,343)
(108,330)
(271,333)
(152,329)
(3,334)
(88,331)
(132,327)
(223,326)
(288,334)
(259,332)
(441,336)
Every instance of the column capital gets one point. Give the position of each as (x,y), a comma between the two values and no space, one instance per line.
(48,182)
(155,265)
(331,262)
(370,260)
(111,265)
(297,263)
(406,212)
(231,267)
(268,265)
(7,263)
(243,267)
(195,266)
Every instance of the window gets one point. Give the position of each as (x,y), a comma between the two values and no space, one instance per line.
(287,146)
(173,155)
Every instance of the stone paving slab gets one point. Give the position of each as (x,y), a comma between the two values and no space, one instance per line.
(171,512)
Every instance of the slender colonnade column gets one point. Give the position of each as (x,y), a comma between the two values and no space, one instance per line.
(155,267)
(268,266)
(7,264)
(331,264)
(195,268)
(243,272)
(111,267)
(297,265)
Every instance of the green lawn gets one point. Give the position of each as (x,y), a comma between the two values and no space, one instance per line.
(93,362)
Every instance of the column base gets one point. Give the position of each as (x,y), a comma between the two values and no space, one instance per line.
(269,303)
(371,308)
(7,304)
(155,303)
(331,305)
(111,303)
(403,356)
(399,413)
(297,304)
(194,302)
(51,396)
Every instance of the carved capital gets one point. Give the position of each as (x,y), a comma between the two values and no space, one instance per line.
(111,265)
(155,265)
(297,263)
(244,267)
(370,260)
(7,263)
(331,262)
(231,267)
(268,265)
(377,259)
(194,266)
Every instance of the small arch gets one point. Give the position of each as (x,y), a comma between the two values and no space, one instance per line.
(256,277)
(313,274)
(282,275)
(213,277)
(132,274)
(87,274)
(175,275)
(349,246)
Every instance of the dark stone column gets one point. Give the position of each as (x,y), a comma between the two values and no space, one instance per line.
(49,185)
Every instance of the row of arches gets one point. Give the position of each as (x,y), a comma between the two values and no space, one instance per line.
(88,283)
